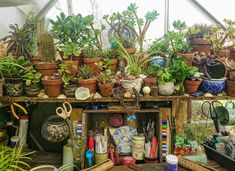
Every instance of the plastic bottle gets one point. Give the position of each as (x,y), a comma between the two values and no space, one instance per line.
(23,130)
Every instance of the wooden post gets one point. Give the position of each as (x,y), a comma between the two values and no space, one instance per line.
(181,116)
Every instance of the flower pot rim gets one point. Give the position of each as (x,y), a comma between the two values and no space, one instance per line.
(93,80)
(46,65)
(44,167)
(200,41)
(52,82)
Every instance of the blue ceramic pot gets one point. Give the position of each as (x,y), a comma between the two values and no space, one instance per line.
(213,86)
(159,61)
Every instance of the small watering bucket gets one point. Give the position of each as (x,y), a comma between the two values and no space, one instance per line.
(230,106)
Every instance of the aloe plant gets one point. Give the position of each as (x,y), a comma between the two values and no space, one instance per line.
(13,159)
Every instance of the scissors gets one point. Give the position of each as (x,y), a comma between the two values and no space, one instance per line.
(212,113)
(64,111)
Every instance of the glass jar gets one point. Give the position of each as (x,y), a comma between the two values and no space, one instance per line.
(138,147)
(55,129)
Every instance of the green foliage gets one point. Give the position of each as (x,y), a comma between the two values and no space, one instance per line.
(32,76)
(198,31)
(70,49)
(109,53)
(65,75)
(220,37)
(151,70)
(165,75)
(85,72)
(91,53)
(194,74)
(46,48)
(73,29)
(13,159)
(158,47)
(106,74)
(11,67)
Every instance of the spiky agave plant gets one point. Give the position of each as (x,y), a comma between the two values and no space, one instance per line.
(13,159)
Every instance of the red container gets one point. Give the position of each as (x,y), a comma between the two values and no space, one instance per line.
(128,160)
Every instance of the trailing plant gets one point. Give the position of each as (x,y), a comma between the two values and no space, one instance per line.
(165,75)
(219,37)
(142,23)
(14,159)
(70,49)
(21,40)
(11,67)
(65,75)
(198,31)
(85,72)
(151,70)
(91,53)
(46,48)
(32,76)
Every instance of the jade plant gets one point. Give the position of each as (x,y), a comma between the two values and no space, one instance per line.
(220,37)
(85,72)
(32,76)
(198,31)
(66,77)
(69,50)
(46,48)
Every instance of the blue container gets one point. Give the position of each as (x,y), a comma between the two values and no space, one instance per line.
(213,86)
(159,61)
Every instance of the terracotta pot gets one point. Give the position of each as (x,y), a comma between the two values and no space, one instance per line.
(89,83)
(150,81)
(131,51)
(35,59)
(91,62)
(46,68)
(78,59)
(224,53)
(188,56)
(230,88)
(105,89)
(191,86)
(53,87)
(201,45)
(114,63)
(72,67)
(232,54)
(1,87)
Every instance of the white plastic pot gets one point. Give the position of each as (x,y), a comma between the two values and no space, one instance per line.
(167,88)
(44,168)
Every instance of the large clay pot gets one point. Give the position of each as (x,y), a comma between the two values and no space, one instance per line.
(191,86)
(91,62)
(114,63)
(167,88)
(52,87)
(150,81)
(230,88)
(201,45)
(105,89)
(89,83)
(72,67)
(46,68)
(14,87)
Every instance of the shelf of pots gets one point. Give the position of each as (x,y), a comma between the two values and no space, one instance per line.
(32,80)
(12,69)
(69,81)
(86,78)
(196,36)
(46,51)
(91,57)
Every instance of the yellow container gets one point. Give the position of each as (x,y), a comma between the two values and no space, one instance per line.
(138,147)
(100,157)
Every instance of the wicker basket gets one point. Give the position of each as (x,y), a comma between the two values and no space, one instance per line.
(193,166)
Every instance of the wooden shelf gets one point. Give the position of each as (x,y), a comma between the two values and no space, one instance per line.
(121,111)
(110,99)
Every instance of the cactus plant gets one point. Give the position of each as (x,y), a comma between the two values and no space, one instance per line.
(46,48)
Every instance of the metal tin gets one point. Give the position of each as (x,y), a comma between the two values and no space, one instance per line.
(138,147)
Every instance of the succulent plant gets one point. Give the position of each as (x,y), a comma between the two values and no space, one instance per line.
(46,48)
(152,70)
(91,53)
(198,31)
(85,72)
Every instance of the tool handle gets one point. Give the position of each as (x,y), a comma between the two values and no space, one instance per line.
(135,167)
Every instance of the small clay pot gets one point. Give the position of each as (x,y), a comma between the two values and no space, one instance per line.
(52,87)
(72,67)
(191,86)
(35,59)
(230,88)
(150,81)
(105,89)
(91,62)
(114,63)
(188,56)
(46,68)
(131,51)
(89,83)
(78,59)
(201,45)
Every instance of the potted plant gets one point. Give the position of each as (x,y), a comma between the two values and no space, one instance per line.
(12,70)
(32,80)
(230,83)
(91,57)
(86,78)
(52,84)
(46,51)
(69,81)
(110,55)
(196,37)
(151,75)
(166,82)
(14,158)
(193,80)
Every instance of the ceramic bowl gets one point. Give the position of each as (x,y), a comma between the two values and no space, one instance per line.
(213,86)
(159,61)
